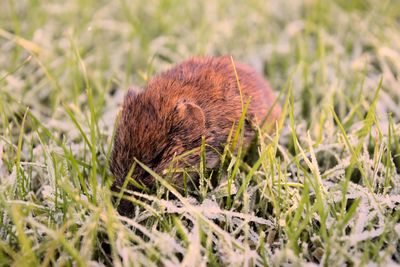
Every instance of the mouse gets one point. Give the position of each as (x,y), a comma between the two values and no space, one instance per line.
(200,98)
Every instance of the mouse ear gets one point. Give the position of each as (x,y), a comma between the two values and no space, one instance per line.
(189,116)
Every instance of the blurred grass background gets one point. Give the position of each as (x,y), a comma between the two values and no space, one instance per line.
(327,188)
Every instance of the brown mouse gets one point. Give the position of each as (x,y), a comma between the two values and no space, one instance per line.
(198,97)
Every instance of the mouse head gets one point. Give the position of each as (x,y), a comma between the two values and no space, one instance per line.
(153,129)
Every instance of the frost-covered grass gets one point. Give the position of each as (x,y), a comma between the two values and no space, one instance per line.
(324,190)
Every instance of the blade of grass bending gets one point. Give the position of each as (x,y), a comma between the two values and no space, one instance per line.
(232,176)
(181,230)
(20,174)
(27,256)
(250,174)
(17,68)
(237,142)
(296,226)
(71,115)
(202,179)
(223,159)
(349,214)
(93,170)
(238,82)
(244,107)
(128,180)
(353,162)
(389,169)
(24,43)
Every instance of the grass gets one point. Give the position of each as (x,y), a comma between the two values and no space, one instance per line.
(325,189)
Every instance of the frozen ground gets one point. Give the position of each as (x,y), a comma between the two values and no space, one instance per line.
(326,187)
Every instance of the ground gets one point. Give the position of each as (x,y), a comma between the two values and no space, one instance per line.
(324,190)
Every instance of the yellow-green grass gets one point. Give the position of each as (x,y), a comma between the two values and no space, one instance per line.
(324,189)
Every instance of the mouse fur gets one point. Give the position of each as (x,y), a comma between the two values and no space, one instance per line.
(198,97)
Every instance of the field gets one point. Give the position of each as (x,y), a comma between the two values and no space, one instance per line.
(324,189)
